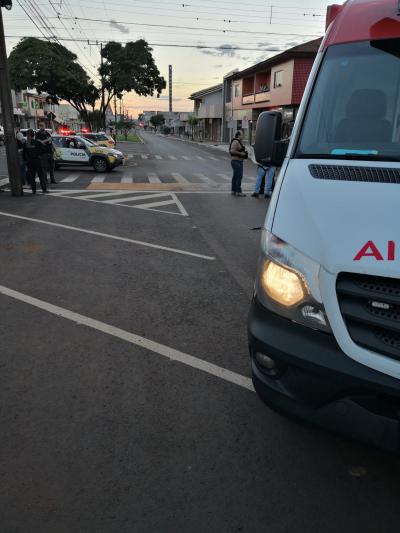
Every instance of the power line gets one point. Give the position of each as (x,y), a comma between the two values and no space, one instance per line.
(127,23)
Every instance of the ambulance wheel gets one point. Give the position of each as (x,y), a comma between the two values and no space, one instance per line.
(100,164)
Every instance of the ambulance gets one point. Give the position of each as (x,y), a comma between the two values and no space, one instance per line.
(72,150)
(324,325)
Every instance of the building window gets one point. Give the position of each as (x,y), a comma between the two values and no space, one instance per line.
(237,90)
(278,78)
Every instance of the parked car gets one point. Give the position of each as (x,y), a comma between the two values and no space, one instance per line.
(73,150)
(101,139)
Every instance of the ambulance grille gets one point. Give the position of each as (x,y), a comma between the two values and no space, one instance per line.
(370,306)
(346,173)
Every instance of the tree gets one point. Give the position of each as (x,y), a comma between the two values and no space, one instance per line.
(193,121)
(125,126)
(128,68)
(157,120)
(50,67)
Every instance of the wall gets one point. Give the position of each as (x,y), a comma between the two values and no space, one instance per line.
(282,95)
(302,69)
(211,106)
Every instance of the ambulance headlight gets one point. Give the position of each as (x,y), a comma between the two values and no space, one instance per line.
(288,283)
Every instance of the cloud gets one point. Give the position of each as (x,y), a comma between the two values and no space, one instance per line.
(263,44)
(225,50)
(119,27)
(218,66)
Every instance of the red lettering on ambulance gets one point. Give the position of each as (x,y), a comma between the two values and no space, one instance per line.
(369,250)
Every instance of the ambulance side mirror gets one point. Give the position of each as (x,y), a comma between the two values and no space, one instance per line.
(269,148)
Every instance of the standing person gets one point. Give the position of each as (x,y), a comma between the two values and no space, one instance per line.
(33,152)
(238,154)
(268,173)
(47,158)
(22,165)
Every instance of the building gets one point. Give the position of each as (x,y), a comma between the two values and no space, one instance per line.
(277,83)
(208,104)
(69,116)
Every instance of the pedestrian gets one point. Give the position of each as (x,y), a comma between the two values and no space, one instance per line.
(238,155)
(22,164)
(264,172)
(47,157)
(33,151)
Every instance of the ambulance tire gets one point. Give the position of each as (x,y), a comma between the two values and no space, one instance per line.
(100,164)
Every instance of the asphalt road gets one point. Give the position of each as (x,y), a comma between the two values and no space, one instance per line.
(124,391)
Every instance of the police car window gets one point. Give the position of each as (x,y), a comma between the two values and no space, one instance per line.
(57,141)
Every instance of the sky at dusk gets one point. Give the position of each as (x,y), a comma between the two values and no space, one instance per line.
(251,32)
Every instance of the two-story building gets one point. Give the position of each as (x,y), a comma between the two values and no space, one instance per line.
(208,104)
(277,83)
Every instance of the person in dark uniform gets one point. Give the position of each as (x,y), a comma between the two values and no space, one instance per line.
(47,158)
(33,151)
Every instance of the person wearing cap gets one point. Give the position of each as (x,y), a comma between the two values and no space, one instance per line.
(33,152)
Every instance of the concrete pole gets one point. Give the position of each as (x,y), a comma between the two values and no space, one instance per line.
(7,109)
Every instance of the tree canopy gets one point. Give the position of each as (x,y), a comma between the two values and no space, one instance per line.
(157,120)
(50,67)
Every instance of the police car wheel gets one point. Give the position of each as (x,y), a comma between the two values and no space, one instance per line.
(100,164)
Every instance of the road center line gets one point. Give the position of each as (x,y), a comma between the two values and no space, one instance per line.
(109,236)
(152,346)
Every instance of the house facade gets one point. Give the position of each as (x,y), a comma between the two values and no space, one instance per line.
(277,83)
(208,105)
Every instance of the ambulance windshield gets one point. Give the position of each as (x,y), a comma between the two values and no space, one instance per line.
(354,111)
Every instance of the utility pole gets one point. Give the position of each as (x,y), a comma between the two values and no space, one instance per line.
(7,109)
(116,117)
(170,87)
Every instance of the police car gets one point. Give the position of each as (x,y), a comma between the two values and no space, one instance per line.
(101,139)
(74,150)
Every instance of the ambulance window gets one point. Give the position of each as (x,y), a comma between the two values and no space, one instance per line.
(353,114)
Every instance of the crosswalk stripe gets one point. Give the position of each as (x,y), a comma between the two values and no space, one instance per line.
(205,178)
(158,157)
(98,179)
(135,198)
(126,179)
(186,158)
(179,178)
(70,178)
(213,158)
(153,178)
(144,156)
(172,157)
(224,177)
(199,157)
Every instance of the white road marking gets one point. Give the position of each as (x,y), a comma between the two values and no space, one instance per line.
(199,157)
(180,205)
(98,179)
(126,179)
(109,236)
(161,349)
(204,178)
(172,157)
(155,204)
(132,198)
(225,177)
(179,178)
(94,194)
(144,156)
(153,178)
(4,181)
(70,178)
(186,158)
(158,157)
(213,158)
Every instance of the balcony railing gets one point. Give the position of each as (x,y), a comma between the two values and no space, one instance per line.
(263,96)
(248,99)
